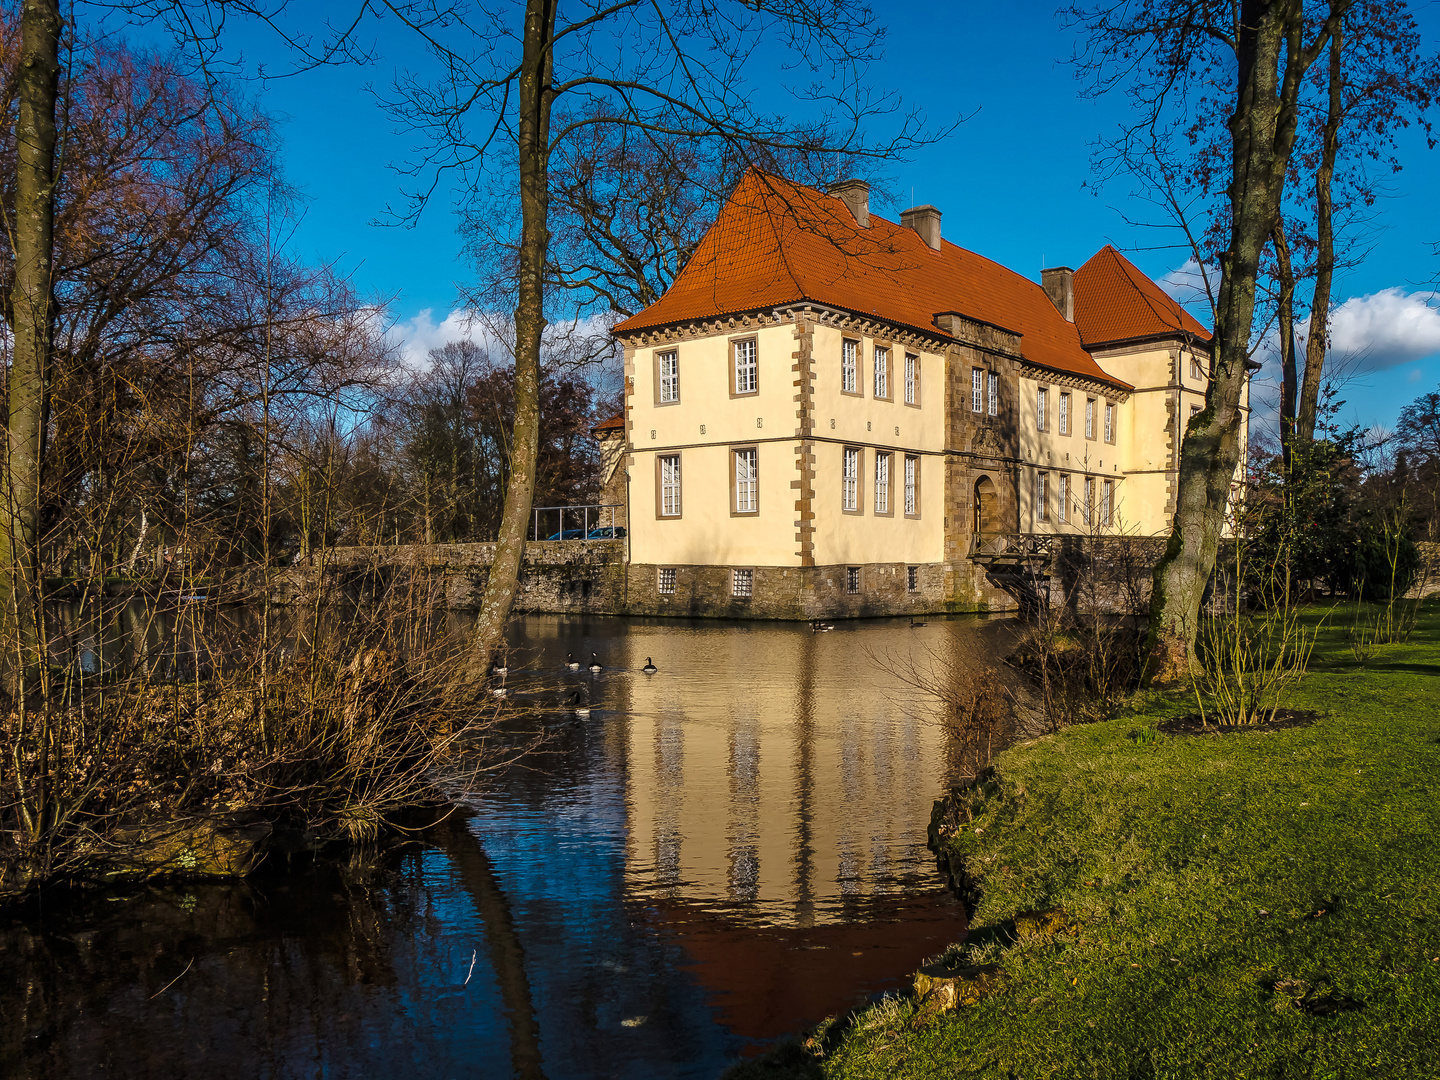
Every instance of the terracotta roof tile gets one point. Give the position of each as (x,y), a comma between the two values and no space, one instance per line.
(1115,302)
(777,243)
(616,421)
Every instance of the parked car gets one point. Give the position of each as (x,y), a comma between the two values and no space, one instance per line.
(607,532)
(568,534)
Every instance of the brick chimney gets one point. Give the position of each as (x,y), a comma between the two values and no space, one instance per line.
(925,220)
(1059,284)
(855,194)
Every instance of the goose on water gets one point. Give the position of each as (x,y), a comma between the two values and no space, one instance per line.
(500,669)
(499,691)
(571,662)
(649,668)
(820,627)
(595,663)
(913,623)
(582,708)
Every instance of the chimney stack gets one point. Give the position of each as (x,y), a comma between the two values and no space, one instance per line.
(1059,284)
(855,194)
(925,220)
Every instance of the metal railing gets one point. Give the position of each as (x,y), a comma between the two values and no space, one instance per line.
(1012,545)
(576,522)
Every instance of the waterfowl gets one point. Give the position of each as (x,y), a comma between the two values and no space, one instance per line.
(649,668)
(571,662)
(913,623)
(499,669)
(821,627)
(499,691)
(595,663)
(582,708)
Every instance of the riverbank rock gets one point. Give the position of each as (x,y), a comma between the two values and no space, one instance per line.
(941,989)
(1044,925)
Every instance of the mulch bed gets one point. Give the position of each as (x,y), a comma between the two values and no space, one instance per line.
(1193,725)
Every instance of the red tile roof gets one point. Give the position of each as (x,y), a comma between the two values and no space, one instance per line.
(777,243)
(1115,302)
(615,422)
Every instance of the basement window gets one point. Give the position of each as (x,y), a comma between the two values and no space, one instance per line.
(666,581)
(852,579)
(912,579)
(742,583)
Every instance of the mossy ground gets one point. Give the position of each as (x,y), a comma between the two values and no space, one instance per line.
(1260,904)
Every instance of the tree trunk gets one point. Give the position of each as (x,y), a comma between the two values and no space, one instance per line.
(536,96)
(1318,342)
(33,314)
(1286,317)
(1262,131)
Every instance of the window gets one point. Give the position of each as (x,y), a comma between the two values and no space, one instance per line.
(742,583)
(882,372)
(977,388)
(912,379)
(1089,502)
(666,582)
(1042,408)
(668,365)
(912,486)
(994,394)
(882,483)
(669,485)
(1196,372)
(1042,506)
(850,480)
(746,368)
(1195,411)
(1062,494)
(852,579)
(1089,418)
(1064,414)
(912,579)
(746,481)
(1107,496)
(1109,422)
(850,367)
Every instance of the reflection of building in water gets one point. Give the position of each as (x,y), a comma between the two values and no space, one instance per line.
(804,786)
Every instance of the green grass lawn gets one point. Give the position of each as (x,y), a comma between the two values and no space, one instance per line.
(1203,871)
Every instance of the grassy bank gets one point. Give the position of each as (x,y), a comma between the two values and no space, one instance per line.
(1262,904)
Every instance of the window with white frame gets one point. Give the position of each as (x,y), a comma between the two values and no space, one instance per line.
(746,367)
(1195,411)
(850,366)
(1107,500)
(670,485)
(1042,504)
(882,483)
(666,580)
(1064,413)
(1089,503)
(852,579)
(994,408)
(882,372)
(977,390)
(1089,418)
(1195,370)
(742,583)
(850,479)
(747,483)
(669,377)
(912,378)
(1042,408)
(912,485)
(1109,422)
(1062,495)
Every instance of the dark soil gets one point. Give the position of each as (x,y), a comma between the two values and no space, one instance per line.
(1194,725)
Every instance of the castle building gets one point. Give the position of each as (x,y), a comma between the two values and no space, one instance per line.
(831,414)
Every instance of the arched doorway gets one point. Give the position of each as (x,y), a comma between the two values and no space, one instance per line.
(987,515)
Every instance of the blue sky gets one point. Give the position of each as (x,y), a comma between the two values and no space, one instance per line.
(1014,182)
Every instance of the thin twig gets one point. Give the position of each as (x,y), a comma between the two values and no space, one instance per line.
(171,983)
(472,969)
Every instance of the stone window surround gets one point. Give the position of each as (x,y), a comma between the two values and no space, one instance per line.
(912,364)
(1090,426)
(731,346)
(889,457)
(1064,411)
(655,355)
(734,490)
(905,464)
(859,345)
(660,460)
(859,453)
(878,346)
(1042,407)
(1062,497)
(1042,495)
(1110,422)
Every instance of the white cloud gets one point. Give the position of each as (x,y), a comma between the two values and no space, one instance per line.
(1387,328)
(566,342)
(413,338)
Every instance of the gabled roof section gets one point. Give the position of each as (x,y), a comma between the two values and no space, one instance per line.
(778,243)
(615,423)
(1115,302)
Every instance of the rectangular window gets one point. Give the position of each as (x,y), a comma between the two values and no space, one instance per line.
(852,579)
(882,372)
(669,365)
(746,367)
(1064,414)
(669,485)
(1109,422)
(742,583)
(994,394)
(912,486)
(666,582)
(850,367)
(1042,503)
(912,379)
(1089,418)
(1042,408)
(1195,411)
(1062,495)
(882,483)
(977,389)
(1107,500)
(850,480)
(1195,372)
(1089,503)
(912,579)
(746,480)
